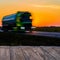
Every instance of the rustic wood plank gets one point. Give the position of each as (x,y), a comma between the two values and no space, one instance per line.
(38,53)
(29,53)
(51,52)
(57,49)
(16,53)
(4,53)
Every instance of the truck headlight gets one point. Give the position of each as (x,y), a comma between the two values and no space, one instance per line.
(22,27)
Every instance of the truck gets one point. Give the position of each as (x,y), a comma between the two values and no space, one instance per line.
(20,21)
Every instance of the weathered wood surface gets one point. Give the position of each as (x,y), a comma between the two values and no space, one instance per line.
(29,53)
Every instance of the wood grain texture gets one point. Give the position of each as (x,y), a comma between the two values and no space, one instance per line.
(4,53)
(29,52)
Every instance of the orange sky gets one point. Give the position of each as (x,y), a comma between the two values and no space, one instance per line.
(44,13)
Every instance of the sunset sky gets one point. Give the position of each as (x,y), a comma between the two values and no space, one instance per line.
(44,12)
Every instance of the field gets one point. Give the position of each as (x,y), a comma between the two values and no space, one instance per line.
(13,39)
(47,29)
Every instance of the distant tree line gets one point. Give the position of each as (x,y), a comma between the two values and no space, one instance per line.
(48,29)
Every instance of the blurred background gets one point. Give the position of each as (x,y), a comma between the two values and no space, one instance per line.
(44,12)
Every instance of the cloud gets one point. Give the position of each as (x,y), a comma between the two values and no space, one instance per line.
(55,2)
(46,6)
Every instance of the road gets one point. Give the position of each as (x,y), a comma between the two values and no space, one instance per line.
(40,33)
(47,34)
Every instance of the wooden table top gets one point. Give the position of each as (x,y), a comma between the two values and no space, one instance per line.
(29,52)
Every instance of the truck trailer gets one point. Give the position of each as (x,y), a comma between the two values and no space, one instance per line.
(20,21)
